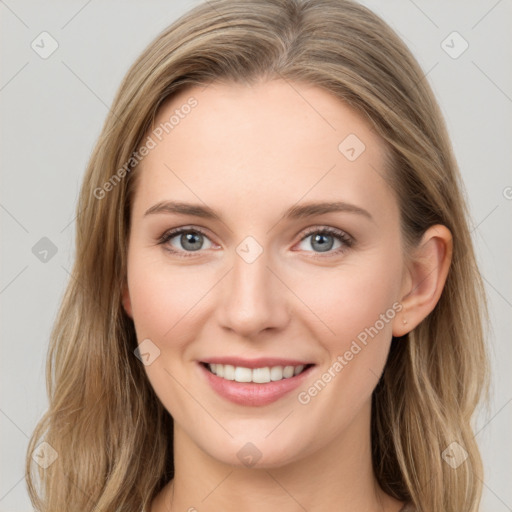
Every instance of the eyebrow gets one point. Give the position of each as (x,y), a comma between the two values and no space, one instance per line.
(295,212)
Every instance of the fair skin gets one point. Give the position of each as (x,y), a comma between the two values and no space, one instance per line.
(249,153)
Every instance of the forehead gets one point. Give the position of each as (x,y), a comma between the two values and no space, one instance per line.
(273,141)
(274,113)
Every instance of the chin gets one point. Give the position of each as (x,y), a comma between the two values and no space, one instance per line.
(256,454)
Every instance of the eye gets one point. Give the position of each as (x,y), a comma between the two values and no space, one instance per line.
(184,240)
(325,239)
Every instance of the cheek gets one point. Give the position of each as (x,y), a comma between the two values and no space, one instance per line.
(351,299)
(165,303)
(163,300)
(357,307)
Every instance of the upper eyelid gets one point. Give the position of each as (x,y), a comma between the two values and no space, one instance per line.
(171,233)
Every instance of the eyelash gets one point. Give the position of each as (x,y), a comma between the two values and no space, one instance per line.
(343,237)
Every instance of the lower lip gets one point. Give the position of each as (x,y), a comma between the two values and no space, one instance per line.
(253,394)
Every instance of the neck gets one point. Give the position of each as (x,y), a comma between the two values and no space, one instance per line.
(337,477)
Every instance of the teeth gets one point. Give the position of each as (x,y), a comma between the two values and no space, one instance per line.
(298,369)
(276,373)
(288,371)
(258,375)
(241,374)
(229,372)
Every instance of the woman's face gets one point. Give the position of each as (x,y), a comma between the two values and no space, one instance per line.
(255,283)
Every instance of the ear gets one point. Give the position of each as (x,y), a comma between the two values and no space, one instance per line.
(127,303)
(425,278)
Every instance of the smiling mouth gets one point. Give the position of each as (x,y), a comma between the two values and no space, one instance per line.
(261,375)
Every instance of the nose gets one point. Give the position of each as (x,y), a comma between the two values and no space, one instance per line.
(254,298)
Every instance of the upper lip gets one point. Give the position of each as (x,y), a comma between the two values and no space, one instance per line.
(259,362)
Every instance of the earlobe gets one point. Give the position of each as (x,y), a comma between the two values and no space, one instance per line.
(427,273)
(127,304)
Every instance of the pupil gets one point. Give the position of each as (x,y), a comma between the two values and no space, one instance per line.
(189,239)
(323,246)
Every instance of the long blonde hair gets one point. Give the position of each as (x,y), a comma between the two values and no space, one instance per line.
(111,433)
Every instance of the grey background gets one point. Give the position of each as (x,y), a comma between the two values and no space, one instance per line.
(52,111)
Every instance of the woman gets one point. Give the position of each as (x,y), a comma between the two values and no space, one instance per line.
(321,346)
